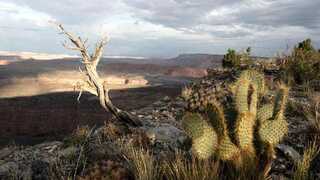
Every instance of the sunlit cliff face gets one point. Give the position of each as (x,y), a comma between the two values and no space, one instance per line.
(4,62)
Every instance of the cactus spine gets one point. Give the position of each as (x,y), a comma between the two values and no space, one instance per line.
(267,120)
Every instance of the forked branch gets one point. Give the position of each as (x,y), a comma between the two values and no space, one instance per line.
(93,83)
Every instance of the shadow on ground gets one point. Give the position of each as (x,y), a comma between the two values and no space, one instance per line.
(34,119)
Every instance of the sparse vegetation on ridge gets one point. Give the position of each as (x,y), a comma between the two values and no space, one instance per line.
(227,126)
(233,59)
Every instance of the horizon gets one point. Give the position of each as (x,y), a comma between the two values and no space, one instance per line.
(49,56)
(152,30)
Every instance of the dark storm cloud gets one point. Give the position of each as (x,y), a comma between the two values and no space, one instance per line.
(165,27)
(188,14)
(175,13)
(281,13)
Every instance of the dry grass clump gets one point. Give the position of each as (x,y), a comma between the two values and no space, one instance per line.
(146,166)
(312,112)
(190,169)
(81,131)
(186,92)
(73,163)
(302,167)
(78,136)
(112,131)
(142,163)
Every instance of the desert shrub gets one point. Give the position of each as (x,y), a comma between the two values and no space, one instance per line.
(303,64)
(233,59)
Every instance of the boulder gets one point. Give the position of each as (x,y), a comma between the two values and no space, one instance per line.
(289,152)
(166,133)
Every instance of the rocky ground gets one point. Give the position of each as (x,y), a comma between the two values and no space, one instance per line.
(159,126)
(161,131)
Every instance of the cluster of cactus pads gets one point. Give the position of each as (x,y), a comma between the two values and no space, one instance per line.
(249,129)
(200,94)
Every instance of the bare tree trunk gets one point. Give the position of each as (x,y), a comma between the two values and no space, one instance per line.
(93,83)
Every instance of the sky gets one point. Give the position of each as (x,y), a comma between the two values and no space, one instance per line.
(160,28)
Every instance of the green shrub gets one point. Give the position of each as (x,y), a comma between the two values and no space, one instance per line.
(303,64)
(236,60)
(231,59)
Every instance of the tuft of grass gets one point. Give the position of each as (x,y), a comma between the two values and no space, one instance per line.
(142,163)
(312,112)
(186,92)
(75,163)
(302,167)
(145,166)
(190,169)
(78,136)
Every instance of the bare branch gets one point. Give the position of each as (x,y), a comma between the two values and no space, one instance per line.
(76,41)
(85,41)
(85,86)
(98,52)
(65,45)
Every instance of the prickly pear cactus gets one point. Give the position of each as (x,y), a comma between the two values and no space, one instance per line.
(204,138)
(229,137)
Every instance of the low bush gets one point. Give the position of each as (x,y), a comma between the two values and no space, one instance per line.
(302,65)
(236,60)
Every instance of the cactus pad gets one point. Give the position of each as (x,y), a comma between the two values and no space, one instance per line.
(216,118)
(245,131)
(281,99)
(272,131)
(241,95)
(204,147)
(265,113)
(227,150)
(193,124)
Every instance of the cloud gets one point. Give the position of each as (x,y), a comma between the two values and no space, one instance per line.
(13,13)
(161,28)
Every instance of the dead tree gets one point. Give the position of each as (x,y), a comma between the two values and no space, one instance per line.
(93,83)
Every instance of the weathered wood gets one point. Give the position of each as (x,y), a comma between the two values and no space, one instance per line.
(93,83)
